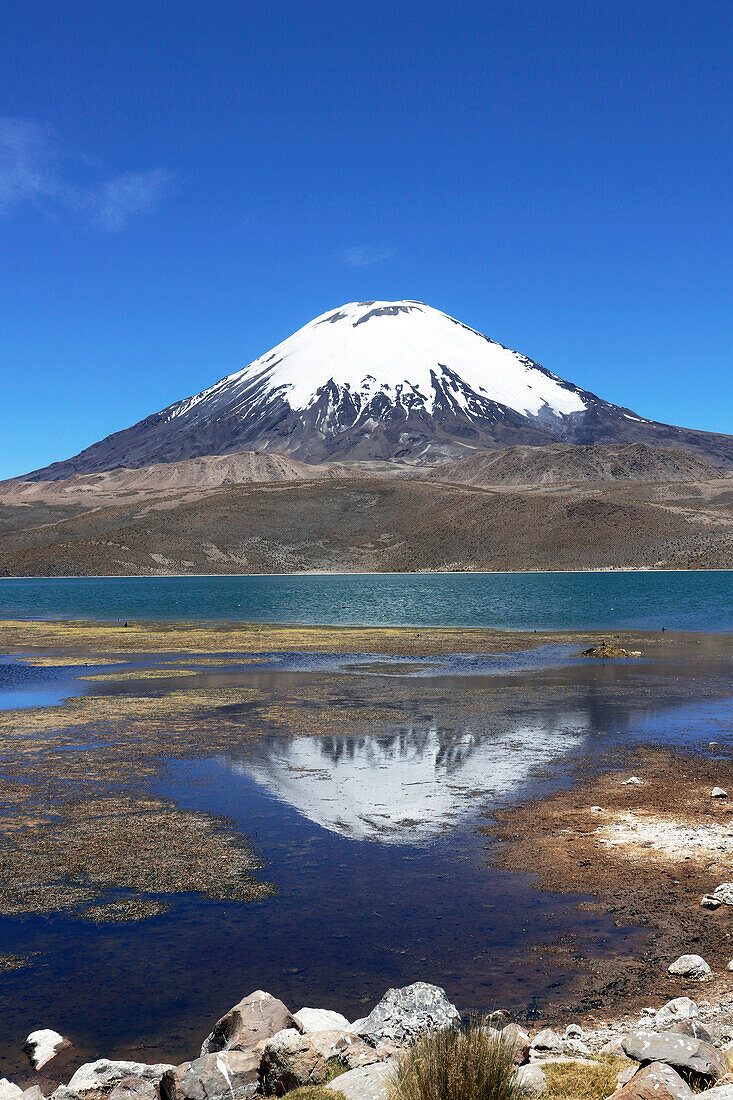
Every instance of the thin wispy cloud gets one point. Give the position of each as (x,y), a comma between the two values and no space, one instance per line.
(367,255)
(37,169)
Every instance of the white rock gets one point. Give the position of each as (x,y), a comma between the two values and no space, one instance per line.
(710,901)
(321,1019)
(573,1031)
(596,809)
(675,1011)
(724,893)
(545,1043)
(43,1045)
(633,781)
(9,1091)
(730,965)
(690,966)
(531,1080)
(718,792)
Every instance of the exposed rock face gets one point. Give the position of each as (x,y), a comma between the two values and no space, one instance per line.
(367,1083)
(256,1017)
(678,1051)
(290,1061)
(405,1013)
(320,1019)
(231,1074)
(41,1046)
(96,1080)
(690,966)
(655,1082)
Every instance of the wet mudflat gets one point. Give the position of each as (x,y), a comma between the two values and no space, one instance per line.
(190,826)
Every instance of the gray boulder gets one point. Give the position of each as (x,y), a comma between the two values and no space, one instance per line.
(257,1017)
(368,1083)
(498,1019)
(518,1040)
(403,1014)
(33,1093)
(676,1010)
(720,1092)
(678,1051)
(546,1043)
(657,1081)
(96,1080)
(290,1061)
(225,1075)
(530,1080)
(690,966)
(724,893)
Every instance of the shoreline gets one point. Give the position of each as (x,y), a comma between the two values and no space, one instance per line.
(364,573)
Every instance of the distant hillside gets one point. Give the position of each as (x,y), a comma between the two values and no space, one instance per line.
(240,468)
(572,464)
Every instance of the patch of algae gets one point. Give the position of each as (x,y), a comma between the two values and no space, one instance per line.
(55,862)
(105,639)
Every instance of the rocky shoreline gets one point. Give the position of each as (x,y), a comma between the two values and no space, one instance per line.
(259,1048)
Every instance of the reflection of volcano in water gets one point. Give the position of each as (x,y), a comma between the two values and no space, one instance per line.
(403,788)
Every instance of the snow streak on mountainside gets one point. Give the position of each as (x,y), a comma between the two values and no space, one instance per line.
(377,380)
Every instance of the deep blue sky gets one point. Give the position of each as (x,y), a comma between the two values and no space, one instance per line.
(183,184)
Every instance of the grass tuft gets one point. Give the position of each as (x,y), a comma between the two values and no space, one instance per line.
(574,1081)
(470,1064)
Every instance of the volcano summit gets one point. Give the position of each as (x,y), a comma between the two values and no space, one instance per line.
(381,381)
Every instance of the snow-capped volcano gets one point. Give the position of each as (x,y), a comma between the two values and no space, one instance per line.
(401,354)
(376,380)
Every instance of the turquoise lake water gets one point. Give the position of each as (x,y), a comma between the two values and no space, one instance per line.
(515,601)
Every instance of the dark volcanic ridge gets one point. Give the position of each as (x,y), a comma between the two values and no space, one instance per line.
(574,464)
(382,381)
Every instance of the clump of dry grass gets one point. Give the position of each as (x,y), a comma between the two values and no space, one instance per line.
(574,1081)
(474,1063)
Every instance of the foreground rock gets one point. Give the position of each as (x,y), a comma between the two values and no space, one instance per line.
(232,1074)
(690,966)
(290,1061)
(9,1091)
(132,1088)
(675,1050)
(403,1014)
(257,1017)
(320,1019)
(674,1012)
(96,1080)
(41,1046)
(350,1049)
(657,1081)
(546,1044)
(368,1083)
(531,1080)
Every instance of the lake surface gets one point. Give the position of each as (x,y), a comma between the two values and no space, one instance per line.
(372,841)
(514,601)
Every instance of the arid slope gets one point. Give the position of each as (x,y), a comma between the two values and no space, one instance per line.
(372,523)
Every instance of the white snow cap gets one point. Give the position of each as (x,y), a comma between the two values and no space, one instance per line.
(396,348)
